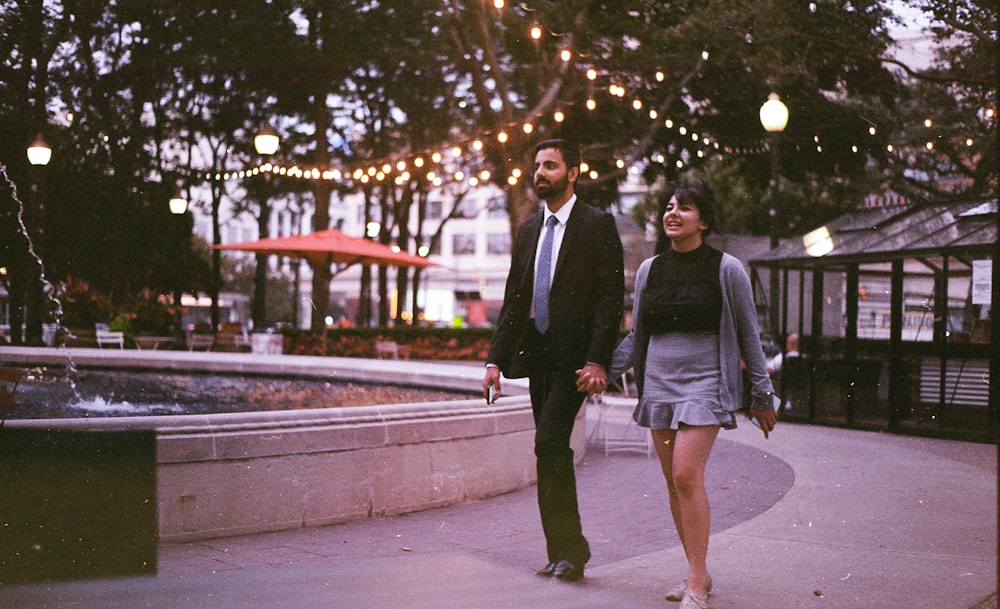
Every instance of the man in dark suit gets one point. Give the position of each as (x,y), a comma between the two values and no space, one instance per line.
(561,338)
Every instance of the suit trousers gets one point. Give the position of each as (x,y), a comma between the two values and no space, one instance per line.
(555,403)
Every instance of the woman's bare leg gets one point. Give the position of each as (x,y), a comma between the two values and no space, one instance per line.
(683,456)
(663,440)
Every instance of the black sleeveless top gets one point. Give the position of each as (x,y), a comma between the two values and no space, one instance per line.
(683,293)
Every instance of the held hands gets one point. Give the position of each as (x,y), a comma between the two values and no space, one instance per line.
(591,379)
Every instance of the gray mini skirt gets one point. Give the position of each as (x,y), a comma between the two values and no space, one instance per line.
(681,384)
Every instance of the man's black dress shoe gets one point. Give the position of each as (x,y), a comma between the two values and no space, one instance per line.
(548,570)
(568,571)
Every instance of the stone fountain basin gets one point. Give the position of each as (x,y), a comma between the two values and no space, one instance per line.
(230,474)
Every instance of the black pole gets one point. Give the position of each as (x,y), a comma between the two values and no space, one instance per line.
(995,336)
(773,288)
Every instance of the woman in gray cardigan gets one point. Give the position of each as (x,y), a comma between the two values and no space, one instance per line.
(694,330)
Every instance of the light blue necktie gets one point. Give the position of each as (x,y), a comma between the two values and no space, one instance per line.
(543,277)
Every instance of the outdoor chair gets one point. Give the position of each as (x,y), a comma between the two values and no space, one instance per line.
(196,340)
(107,337)
(618,432)
(387,349)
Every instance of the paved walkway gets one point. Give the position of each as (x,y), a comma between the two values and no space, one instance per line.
(813,517)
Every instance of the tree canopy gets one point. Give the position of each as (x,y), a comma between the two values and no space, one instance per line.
(141,101)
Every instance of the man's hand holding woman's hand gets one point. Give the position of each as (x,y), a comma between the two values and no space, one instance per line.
(591,379)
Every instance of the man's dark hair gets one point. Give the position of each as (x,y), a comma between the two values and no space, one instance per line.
(570,152)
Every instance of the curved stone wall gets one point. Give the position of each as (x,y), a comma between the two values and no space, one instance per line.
(240,473)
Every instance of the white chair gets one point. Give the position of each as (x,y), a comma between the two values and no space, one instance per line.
(107,337)
(388,349)
(618,432)
(197,340)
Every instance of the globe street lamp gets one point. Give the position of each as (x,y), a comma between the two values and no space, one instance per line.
(265,143)
(39,155)
(774,119)
(178,205)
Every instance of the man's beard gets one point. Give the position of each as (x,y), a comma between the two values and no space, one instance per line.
(548,189)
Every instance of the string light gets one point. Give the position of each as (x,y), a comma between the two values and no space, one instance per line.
(380,170)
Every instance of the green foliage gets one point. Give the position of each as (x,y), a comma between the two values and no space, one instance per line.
(164,94)
(82,305)
(123,323)
(466,344)
(154,316)
(945,118)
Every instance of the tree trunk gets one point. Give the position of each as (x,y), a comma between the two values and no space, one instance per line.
(520,205)
(321,219)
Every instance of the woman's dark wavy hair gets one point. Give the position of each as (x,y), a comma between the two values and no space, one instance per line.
(691,191)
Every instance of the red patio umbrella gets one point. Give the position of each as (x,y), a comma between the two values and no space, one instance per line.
(331,246)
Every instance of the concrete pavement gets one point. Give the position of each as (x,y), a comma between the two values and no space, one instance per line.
(813,517)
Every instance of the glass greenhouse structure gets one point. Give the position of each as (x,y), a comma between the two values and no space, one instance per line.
(892,305)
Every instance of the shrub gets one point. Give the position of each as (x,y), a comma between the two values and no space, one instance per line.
(82,306)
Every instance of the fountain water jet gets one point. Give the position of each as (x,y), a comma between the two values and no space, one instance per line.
(26,271)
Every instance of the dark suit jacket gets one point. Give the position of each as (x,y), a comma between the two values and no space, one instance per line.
(586,295)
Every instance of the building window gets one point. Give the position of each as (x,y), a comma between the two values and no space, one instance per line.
(467,208)
(496,207)
(498,243)
(434,210)
(463,245)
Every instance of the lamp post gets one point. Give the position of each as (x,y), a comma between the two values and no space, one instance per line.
(39,155)
(265,143)
(178,206)
(774,119)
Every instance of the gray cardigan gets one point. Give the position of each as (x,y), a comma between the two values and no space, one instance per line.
(739,339)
